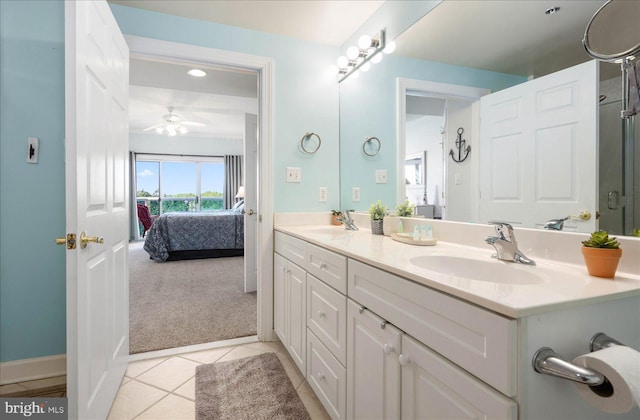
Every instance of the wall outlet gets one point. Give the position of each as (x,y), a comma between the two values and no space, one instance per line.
(381,176)
(294,174)
(323,194)
(355,194)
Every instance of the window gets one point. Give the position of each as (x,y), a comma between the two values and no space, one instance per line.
(166,183)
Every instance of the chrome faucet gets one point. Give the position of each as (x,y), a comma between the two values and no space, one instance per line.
(556,224)
(347,221)
(505,244)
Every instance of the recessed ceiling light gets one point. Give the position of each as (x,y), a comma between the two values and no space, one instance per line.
(552,10)
(197,73)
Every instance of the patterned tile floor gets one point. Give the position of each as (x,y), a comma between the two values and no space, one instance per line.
(164,387)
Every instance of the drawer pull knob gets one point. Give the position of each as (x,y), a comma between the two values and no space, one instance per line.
(383,324)
(361,309)
(320,376)
(404,360)
(323,265)
(388,349)
(321,314)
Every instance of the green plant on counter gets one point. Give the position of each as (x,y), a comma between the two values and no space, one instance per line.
(378,210)
(636,232)
(405,209)
(601,239)
(336,212)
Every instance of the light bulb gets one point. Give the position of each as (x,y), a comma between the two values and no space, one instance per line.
(390,47)
(353,53)
(365,67)
(183,130)
(364,42)
(376,58)
(343,62)
(159,130)
(334,70)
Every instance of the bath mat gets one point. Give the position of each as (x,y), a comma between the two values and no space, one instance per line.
(255,387)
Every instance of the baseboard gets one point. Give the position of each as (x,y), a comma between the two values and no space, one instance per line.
(31,369)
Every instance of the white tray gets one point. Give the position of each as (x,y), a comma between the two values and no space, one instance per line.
(407,238)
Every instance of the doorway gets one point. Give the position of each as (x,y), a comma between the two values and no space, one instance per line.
(259,184)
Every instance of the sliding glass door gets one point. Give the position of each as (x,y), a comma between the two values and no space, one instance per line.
(166,183)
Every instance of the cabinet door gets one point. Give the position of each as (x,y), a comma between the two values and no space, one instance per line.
(434,388)
(280,324)
(373,371)
(297,315)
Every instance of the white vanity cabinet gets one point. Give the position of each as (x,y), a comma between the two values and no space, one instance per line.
(373,373)
(290,307)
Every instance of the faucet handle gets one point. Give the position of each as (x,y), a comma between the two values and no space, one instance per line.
(500,227)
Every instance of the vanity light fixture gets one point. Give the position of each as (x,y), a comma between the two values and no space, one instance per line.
(197,73)
(360,58)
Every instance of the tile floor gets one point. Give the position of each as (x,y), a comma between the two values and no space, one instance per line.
(164,388)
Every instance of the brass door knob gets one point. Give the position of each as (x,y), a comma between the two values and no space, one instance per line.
(69,241)
(84,240)
(250,212)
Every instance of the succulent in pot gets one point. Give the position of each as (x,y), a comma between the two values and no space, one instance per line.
(601,254)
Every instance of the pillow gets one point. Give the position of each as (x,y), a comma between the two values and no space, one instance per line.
(238,207)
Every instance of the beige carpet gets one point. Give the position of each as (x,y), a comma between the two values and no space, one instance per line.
(255,387)
(180,303)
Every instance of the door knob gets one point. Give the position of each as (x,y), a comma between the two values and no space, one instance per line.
(250,212)
(84,240)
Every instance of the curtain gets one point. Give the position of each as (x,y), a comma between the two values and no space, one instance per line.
(134,233)
(232,179)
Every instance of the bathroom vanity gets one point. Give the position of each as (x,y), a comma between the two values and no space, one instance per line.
(383,329)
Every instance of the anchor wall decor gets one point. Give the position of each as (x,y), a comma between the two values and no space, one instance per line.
(460,145)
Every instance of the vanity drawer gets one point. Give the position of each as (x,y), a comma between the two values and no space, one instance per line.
(327,317)
(327,377)
(293,249)
(483,343)
(328,267)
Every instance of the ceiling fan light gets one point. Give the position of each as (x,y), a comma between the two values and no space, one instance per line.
(159,130)
(183,130)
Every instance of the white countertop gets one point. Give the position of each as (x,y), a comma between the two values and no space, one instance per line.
(560,285)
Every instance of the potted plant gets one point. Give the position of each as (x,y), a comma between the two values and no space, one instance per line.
(601,254)
(405,209)
(392,222)
(377,212)
(335,215)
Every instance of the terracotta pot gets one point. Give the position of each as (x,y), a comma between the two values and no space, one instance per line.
(334,219)
(601,262)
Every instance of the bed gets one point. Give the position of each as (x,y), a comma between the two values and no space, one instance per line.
(179,236)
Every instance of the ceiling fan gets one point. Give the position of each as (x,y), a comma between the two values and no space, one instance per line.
(173,124)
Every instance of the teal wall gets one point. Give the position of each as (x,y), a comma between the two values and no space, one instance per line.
(305,97)
(32,267)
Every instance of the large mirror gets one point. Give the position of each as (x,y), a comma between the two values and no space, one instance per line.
(461,51)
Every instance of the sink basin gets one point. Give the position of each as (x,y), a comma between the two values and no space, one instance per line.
(491,270)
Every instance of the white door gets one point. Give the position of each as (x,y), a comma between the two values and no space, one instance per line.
(250,202)
(538,150)
(96,93)
(373,376)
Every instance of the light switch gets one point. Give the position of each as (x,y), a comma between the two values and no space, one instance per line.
(355,194)
(381,176)
(32,149)
(323,194)
(294,174)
